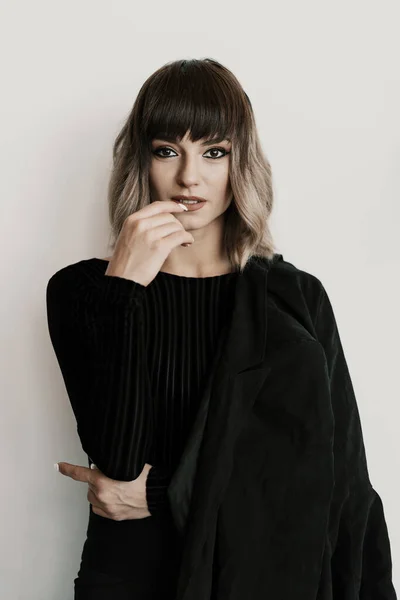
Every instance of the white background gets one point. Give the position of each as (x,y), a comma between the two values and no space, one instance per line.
(324,82)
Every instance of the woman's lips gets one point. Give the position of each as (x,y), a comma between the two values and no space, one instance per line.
(191,207)
(184,197)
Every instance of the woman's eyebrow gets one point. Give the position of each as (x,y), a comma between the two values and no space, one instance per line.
(170,138)
(215,140)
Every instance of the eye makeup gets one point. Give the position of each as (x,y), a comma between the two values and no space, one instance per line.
(156,151)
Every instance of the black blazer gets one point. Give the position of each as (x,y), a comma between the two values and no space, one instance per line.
(272,491)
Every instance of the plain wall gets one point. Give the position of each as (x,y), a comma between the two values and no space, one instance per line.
(325,87)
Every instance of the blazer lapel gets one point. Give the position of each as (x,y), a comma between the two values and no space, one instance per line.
(202,475)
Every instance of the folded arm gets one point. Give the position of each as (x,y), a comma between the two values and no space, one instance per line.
(96,328)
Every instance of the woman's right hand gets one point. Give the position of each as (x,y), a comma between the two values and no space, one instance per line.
(145,241)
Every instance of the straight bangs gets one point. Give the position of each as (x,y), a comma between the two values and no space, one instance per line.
(203,99)
(193,98)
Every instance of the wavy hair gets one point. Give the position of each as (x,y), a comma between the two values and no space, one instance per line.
(204,98)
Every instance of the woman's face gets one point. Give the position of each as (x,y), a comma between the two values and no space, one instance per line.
(192,169)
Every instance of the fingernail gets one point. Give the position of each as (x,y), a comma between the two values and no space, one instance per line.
(57,468)
(185,207)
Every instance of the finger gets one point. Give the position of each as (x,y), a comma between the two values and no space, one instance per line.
(160,206)
(92,486)
(91,496)
(98,511)
(76,472)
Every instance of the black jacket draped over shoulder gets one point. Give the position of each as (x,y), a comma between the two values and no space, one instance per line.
(273,491)
(272,494)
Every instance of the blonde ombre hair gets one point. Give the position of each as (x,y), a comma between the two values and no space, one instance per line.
(204,98)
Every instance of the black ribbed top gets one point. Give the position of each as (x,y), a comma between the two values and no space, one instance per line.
(135,360)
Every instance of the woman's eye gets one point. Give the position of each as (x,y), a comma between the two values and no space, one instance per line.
(157,150)
(165,148)
(224,152)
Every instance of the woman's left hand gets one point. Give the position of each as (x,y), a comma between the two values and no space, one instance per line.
(110,498)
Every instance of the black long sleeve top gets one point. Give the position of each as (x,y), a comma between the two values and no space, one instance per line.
(115,340)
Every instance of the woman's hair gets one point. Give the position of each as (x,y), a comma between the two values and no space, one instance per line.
(204,98)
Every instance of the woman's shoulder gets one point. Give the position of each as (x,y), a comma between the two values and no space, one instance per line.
(75,276)
(291,271)
(294,283)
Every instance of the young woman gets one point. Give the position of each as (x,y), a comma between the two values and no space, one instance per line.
(207,376)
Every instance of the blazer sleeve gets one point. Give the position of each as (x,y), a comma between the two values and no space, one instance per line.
(361,562)
(97,332)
